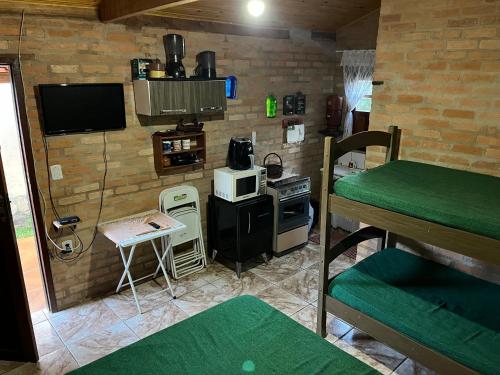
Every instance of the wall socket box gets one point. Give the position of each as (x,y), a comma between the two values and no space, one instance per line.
(56,172)
(67,247)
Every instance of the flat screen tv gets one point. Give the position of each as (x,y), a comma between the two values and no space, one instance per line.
(81,108)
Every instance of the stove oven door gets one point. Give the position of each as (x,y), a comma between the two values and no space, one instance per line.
(293,212)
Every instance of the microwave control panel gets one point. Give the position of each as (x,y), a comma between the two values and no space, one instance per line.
(263,182)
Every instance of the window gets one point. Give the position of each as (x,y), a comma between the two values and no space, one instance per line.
(365,104)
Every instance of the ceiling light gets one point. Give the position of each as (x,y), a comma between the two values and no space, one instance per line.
(256,7)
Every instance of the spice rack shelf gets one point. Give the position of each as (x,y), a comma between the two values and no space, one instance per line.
(170,162)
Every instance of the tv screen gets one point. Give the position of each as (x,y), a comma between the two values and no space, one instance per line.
(81,108)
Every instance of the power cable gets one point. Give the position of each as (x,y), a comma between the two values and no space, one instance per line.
(82,250)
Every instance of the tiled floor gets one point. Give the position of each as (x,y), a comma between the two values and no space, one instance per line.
(31,272)
(82,334)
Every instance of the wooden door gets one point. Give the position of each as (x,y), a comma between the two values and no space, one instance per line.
(17,342)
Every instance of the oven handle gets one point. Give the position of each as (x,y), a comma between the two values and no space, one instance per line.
(249,225)
(294,197)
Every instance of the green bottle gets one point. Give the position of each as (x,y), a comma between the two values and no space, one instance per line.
(271,106)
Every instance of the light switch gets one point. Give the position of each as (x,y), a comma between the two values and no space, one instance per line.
(56,172)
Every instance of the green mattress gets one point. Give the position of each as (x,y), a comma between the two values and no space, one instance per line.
(241,336)
(458,199)
(447,310)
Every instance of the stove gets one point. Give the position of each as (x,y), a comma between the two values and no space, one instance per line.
(291,197)
(290,186)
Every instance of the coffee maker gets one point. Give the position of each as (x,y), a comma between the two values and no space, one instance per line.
(205,65)
(175,51)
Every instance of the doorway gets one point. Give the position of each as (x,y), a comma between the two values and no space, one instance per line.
(20,205)
(24,203)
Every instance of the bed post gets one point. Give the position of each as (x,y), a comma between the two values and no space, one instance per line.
(392,154)
(325,229)
(393,148)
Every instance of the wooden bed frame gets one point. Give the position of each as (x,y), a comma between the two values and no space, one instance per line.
(385,224)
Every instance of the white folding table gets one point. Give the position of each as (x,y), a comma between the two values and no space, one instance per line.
(134,230)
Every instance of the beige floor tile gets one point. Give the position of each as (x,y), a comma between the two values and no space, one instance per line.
(6,366)
(102,343)
(150,294)
(249,283)
(38,317)
(276,270)
(306,317)
(155,320)
(409,367)
(334,326)
(201,299)
(186,284)
(303,284)
(362,357)
(302,258)
(313,246)
(47,340)
(56,363)
(374,349)
(79,322)
(280,299)
(337,266)
(215,271)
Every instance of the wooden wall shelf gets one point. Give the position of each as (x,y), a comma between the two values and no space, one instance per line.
(165,162)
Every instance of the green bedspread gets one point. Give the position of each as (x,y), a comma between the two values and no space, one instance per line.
(241,336)
(447,310)
(458,199)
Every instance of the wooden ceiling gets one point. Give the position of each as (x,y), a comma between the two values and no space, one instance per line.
(317,15)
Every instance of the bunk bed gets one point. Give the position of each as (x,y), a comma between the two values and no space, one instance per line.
(440,317)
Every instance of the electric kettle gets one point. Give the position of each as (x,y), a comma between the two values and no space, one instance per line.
(240,154)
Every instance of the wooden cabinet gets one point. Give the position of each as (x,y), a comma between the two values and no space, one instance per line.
(172,162)
(210,96)
(161,97)
(167,98)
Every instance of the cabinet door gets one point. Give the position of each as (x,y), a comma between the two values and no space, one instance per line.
(167,98)
(255,230)
(210,96)
(191,100)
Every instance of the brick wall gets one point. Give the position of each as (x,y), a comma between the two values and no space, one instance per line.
(77,50)
(440,64)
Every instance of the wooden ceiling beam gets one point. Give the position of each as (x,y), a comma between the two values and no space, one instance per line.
(204,26)
(112,10)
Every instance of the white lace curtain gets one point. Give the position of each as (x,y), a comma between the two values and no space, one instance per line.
(358,73)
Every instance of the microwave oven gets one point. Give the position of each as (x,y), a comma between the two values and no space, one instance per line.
(234,185)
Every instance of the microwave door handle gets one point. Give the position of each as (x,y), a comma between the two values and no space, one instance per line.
(249,223)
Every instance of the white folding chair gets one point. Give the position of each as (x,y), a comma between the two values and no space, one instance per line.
(183,204)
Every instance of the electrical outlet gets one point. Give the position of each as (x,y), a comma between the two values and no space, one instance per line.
(254,137)
(67,246)
(56,172)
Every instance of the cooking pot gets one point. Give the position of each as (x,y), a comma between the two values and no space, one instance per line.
(273,170)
